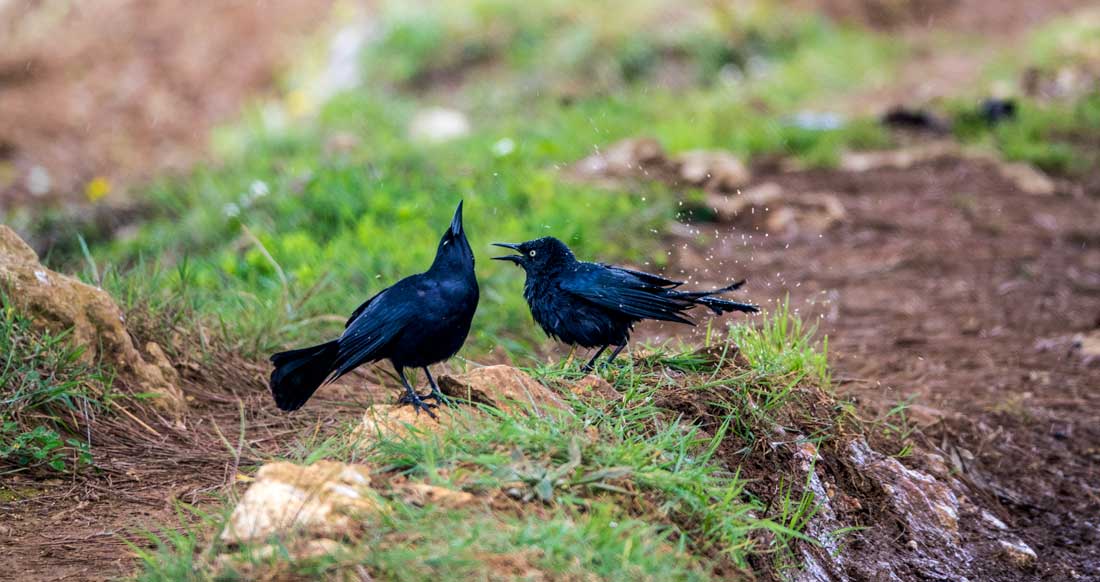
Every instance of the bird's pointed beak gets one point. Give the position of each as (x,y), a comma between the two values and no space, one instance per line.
(456,222)
(514,258)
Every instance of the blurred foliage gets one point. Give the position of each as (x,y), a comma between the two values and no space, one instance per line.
(307,217)
(1058,123)
(568,45)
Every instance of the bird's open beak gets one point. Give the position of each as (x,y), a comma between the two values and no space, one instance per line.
(514,258)
(456,222)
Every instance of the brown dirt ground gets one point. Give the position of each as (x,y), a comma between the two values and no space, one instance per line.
(77,528)
(949,286)
(129,89)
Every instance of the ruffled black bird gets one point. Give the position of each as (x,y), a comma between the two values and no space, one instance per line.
(421,320)
(594,305)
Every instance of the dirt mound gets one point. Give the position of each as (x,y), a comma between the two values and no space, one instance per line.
(59,303)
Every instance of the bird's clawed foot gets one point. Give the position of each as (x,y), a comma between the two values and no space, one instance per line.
(418,403)
(440,398)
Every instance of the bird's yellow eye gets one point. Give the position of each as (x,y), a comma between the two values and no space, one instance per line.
(532,253)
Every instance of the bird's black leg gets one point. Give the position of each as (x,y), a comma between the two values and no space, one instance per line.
(615,353)
(411,397)
(592,363)
(436,394)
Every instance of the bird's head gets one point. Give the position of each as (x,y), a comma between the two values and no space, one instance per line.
(453,248)
(542,255)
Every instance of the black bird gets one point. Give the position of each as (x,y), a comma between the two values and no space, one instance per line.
(421,320)
(594,305)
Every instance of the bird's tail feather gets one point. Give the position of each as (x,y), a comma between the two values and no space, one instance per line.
(717,304)
(298,373)
(720,306)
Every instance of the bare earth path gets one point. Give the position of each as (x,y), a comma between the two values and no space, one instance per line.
(947,285)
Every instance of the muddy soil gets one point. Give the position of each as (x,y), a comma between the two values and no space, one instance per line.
(947,286)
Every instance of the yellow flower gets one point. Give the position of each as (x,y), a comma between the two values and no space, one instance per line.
(298,103)
(97,189)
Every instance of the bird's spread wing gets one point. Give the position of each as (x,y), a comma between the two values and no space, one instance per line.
(625,292)
(647,278)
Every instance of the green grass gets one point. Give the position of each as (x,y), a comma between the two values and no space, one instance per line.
(625,489)
(288,233)
(48,397)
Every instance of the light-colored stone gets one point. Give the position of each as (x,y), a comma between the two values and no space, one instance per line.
(438,125)
(898,159)
(390,419)
(57,303)
(629,158)
(1017,553)
(423,495)
(925,416)
(716,170)
(503,387)
(324,499)
(767,206)
(993,520)
(1088,345)
(592,386)
(245,563)
(1027,178)
(930,508)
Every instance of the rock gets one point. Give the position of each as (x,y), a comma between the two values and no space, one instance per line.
(1027,178)
(746,204)
(57,303)
(926,509)
(438,125)
(993,520)
(422,494)
(929,507)
(936,466)
(926,416)
(400,420)
(768,207)
(717,171)
(1017,553)
(503,387)
(629,158)
(1087,346)
(295,551)
(813,213)
(324,499)
(899,159)
(592,386)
